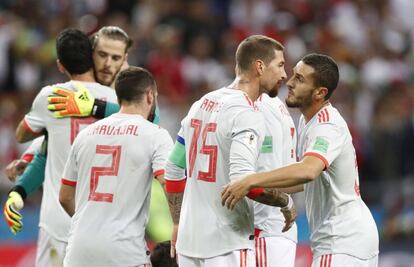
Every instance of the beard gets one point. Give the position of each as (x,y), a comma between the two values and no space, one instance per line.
(301,102)
(151,115)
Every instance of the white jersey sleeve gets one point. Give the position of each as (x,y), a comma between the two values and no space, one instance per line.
(34,120)
(246,142)
(162,146)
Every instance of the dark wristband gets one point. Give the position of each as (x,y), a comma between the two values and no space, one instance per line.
(98,109)
(20,190)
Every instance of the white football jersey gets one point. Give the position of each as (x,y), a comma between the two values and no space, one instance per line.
(278,150)
(112,163)
(223,133)
(339,221)
(61,134)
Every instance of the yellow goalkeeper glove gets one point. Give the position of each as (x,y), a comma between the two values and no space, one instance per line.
(11,212)
(67,103)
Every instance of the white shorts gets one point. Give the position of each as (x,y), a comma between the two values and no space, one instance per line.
(343,260)
(275,251)
(50,251)
(242,258)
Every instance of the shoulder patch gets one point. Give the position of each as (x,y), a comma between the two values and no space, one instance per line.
(267,146)
(321,144)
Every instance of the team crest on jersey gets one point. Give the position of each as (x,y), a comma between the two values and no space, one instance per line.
(321,144)
(250,139)
(267,146)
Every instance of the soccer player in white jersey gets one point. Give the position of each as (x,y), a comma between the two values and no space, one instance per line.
(110,52)
(219,141)
(107,179)
(273,246)
(343,231)
(74,53)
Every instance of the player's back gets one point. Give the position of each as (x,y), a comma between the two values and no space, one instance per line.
(116,159)
(339,220)
(210,130)
(61,134)
(278,150)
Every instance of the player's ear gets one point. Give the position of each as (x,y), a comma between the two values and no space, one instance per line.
(321,93)
(259,66)
(150,96)
(60,66)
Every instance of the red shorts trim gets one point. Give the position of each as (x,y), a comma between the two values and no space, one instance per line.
(175,186)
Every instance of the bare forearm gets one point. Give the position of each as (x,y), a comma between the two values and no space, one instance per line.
(273,197)
(292,189)
(175,201)
(292,175)
(68,206)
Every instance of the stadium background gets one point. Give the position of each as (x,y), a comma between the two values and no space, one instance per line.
(189,46)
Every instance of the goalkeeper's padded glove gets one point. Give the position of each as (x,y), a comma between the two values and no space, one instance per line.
(67,103)
(11,212)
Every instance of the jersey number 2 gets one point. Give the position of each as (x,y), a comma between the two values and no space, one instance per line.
(96,172)
(209,150)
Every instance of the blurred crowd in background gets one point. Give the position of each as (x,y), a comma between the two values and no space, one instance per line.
(189,46)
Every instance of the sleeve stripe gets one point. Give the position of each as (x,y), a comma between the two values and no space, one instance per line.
(26,125)
(180,140)
(319,156)
(172,186)
(159,172)
(255,192)
(68,182)
(27,157)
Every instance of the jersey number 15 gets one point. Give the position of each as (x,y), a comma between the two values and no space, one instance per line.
(209,150)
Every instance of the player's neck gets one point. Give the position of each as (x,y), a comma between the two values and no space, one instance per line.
(134,109)
(310,111)
(247,85)
(84,77)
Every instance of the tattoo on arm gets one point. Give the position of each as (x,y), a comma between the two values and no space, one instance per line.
(175,201)
(273,197)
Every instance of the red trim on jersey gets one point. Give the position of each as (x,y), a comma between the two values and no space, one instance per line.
(249,101)
(327,114)
(323,116)
(255,192)
(28,128)
(27,157)
(159,172)
(172,186)
(319,156)
(68,182)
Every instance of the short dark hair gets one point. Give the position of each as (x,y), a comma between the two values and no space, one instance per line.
(112,32)
(74,51)
(160,256)
(132,83)
(326,72)
(256,47)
